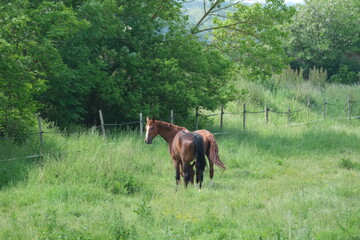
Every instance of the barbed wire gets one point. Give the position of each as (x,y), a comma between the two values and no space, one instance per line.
(254,112)
(346,107)
(287,112)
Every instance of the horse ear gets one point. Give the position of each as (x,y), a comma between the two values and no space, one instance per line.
(153,119)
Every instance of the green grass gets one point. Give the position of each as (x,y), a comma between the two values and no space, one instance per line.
(281,182)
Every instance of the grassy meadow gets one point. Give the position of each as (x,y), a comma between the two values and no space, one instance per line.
(281,182)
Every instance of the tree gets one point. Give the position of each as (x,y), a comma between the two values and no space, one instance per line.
(135,57)
(29,59)
(251,36)
(326,34)
(68,59)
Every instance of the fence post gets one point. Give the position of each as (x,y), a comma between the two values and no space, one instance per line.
(40,131)
(325,108)
(141,124)
(289,113)
(266,110)
(172,116)
(349,105)
(221,117)
(102,123)
(244,117)
(197,118)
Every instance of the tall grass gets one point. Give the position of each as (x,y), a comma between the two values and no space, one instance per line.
(281,182)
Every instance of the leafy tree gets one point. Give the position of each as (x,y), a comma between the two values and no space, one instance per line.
(134,57)
(117,56)
(29,58)
(251,36)
(326,34)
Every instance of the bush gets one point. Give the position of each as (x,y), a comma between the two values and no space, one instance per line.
(345,76)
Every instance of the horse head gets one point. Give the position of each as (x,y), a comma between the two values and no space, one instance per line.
(152,130)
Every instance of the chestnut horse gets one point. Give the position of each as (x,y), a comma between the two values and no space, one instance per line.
(184,147)
(211,151)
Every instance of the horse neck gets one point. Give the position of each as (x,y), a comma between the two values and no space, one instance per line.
(168,131)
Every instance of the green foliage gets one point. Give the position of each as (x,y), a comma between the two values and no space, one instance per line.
(18,80)
(134,58)
(345,75)
(69,59)
(253,36)
(326,34)
(29,59)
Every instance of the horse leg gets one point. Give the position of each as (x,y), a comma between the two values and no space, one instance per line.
(177,172)
(199,177)
(192,173)
(187,173)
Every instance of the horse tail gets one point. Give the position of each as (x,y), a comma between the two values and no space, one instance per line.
(214,152)
(199,152)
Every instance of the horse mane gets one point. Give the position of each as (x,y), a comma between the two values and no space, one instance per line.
(170,126)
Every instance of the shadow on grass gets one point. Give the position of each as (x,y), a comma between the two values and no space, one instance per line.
(13,166)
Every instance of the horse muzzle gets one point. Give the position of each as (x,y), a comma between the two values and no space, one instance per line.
(148,140)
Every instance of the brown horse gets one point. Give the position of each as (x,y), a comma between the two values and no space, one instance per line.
(184,147)
(211,151)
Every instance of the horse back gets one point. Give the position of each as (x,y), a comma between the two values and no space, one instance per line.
(184,145)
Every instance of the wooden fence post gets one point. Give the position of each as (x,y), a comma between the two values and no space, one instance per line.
(349,105)
(244,117)
(308,106)
(141,124)
(266,110)
(289,113)
(197,118)
(172,116)
(325,108)
(102,123)
(221,117)
(40,131)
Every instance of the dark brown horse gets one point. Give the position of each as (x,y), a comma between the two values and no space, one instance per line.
(184,147)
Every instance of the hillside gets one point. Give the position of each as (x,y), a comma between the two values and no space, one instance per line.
(281,182)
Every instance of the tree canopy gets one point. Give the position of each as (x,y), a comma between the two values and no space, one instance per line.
(326,34)
(67,59)
(252,36)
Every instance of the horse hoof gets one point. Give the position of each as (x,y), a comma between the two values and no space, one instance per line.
(211,183)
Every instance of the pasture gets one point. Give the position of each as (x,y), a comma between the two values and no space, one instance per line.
(281,182)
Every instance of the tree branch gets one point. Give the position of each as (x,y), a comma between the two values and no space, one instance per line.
(206,13)
(224,26)
(226,7)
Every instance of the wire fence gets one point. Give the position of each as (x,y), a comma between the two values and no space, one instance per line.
(347,109)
